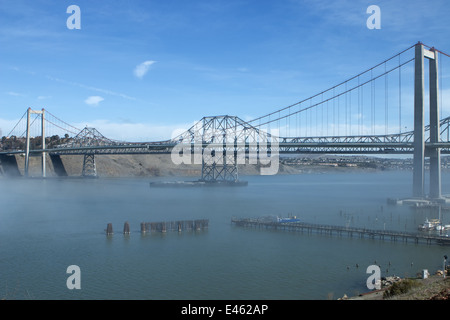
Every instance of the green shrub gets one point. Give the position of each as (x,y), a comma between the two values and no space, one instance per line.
(400,287)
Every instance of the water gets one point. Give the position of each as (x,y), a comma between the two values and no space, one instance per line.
(48,225)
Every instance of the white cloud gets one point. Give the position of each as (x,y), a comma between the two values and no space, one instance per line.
(15,94)
(108,92)
(93,100)
(143,68)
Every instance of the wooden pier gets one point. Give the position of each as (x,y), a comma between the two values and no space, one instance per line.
(179,226)
(340,231)
(164,226)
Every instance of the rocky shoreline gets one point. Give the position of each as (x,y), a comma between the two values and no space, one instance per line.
(434,287)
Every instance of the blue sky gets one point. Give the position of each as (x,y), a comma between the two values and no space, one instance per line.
(138,70)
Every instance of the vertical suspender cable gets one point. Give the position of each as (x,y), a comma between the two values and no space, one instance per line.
(346,110)
(373,105)
(321,107)
(338,116)
(362,110)
(359,108)
(334,114)
(350,113)
(399,95)
(440,83)
(386,116)
(279,122)
(327,114)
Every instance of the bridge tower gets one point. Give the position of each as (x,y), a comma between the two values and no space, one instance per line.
(420,151)
(27,145)
(90,137)
(219,163)
(89,168)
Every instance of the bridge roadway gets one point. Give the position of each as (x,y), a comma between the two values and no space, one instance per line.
(281,148)
(402,143)
(340,230)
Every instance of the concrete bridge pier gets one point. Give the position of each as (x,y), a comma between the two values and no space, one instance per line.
(58,165)
(9,166)
(420,152)
(435,130)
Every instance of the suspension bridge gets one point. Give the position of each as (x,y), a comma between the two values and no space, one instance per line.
(379,111)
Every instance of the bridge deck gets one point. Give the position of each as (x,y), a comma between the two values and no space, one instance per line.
(340,230)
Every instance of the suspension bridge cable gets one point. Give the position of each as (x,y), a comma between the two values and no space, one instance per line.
(372,103)
(336,86)
(359,116)
(31,124)
(400,98)
(64,129)
(67,124)
(332,98)
(434,49)
(350,113)
(386,103)
(440,84)
(9,134)
(346,114)
(334,113)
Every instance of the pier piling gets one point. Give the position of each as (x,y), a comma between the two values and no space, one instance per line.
(340,230)
(126,228)
(165,226)
(109,229)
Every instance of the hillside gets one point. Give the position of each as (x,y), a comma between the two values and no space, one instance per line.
(138,165)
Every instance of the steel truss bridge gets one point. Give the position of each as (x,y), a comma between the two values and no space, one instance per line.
(221,143)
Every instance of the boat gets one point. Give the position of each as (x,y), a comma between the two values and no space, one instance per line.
(288,219)
(441,227)
(429,225)
(199,183)
(433,224)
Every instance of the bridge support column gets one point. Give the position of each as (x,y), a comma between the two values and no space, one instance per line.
(58,165)
(27,145)
(419,142)
(43,142)
(435,153)
(219,162)
(9,166)
(89,168)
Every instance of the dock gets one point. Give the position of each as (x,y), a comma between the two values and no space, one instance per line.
(331,230)
(165,226)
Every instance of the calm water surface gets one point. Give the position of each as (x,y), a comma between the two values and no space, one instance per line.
(48,225)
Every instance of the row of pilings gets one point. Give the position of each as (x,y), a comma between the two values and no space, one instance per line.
(341,230)
(164,226)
